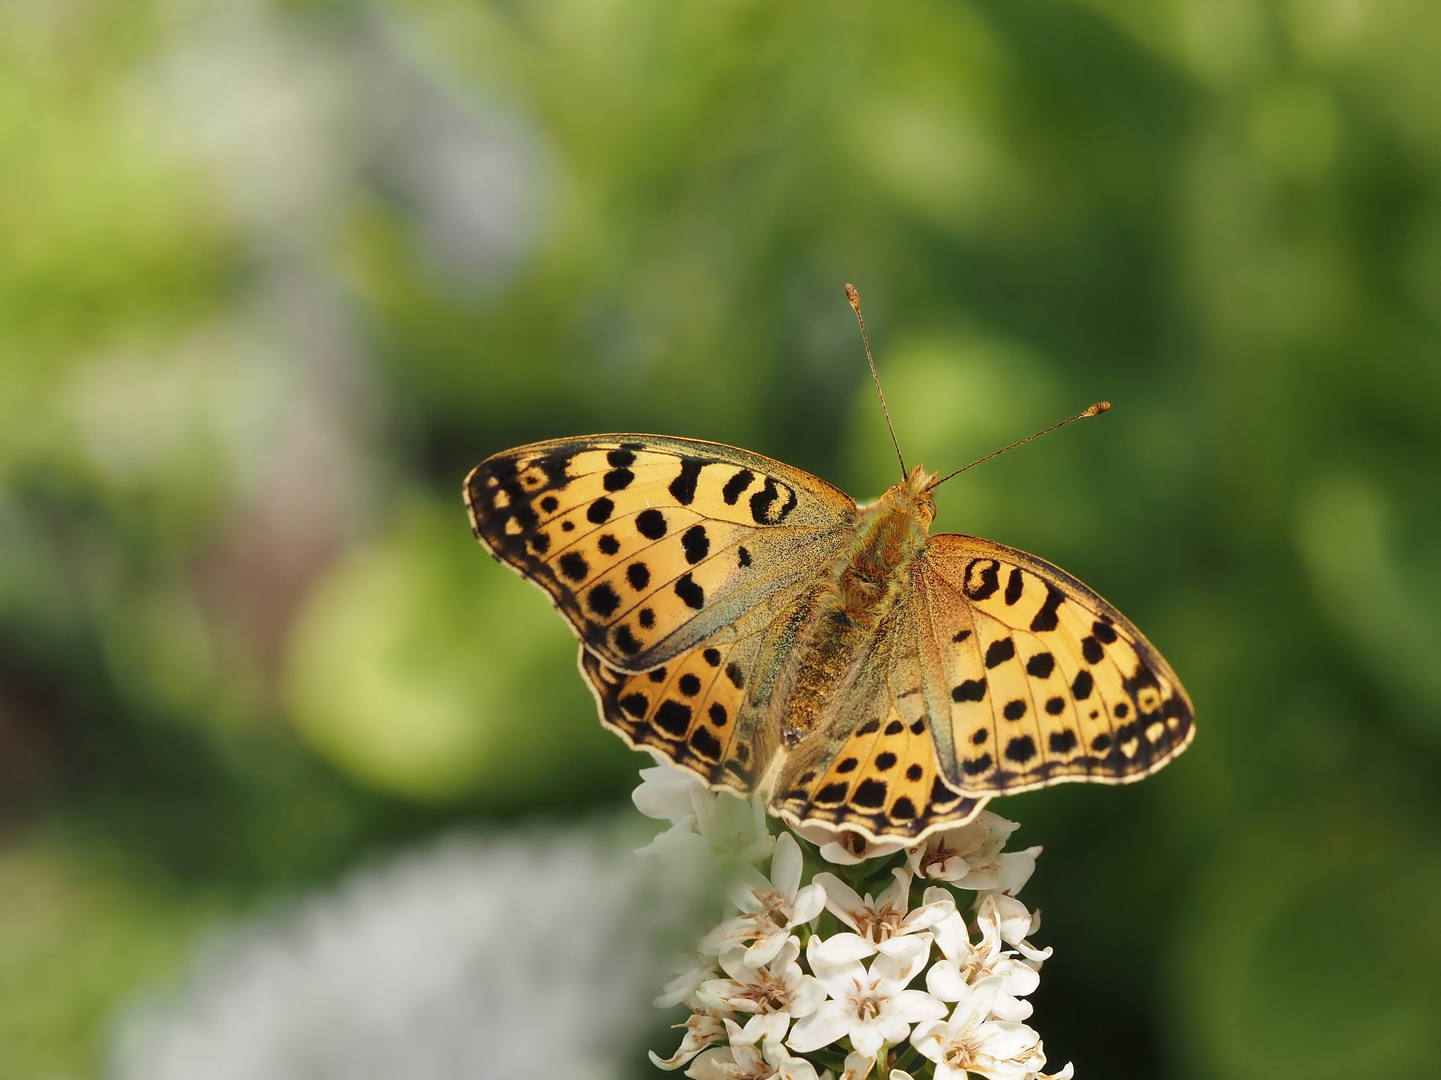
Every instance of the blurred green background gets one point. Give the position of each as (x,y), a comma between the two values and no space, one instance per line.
(274,275)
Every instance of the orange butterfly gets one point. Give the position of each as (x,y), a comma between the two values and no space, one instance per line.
(754,625)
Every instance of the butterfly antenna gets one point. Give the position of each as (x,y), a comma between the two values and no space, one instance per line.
(855,299)
(1095,410)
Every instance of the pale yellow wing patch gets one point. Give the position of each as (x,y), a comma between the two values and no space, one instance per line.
(649,545)
(1047,681)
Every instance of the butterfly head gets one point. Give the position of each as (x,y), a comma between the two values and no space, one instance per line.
(913,496)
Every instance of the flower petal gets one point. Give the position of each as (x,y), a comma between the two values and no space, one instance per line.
(828,1024)
(1002,1039)
(866,1037)
(809,903)
(841,900)
(915,1006)
(900,961)
(786,866)
(806,998)
(766,947)
(945,982)
(839,948)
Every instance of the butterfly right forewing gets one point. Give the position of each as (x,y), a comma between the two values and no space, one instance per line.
(1047,681)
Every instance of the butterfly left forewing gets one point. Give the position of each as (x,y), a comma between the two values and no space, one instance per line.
(1047,681)
(649,545)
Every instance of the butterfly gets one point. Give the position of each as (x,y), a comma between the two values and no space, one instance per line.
(754,625)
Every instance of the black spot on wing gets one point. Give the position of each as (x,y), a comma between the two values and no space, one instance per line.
(651,524)
(1092,651)
(771,504)
(687,589)
(573,566)
(736,485)
(637,574)
(617,479)
(626,641)
(973,766)
(895,727)
(674,717)
(943,797)
(1082,685)
(970,690)
(903,809)
(870,727)
(705,744)
(870,793)
(734,674)
(981,579)
(689,684)
(635,704)
(608,544)
(598,513)
(1046,619)
(961,636)
(603,600)
(696,544)
(682,488)
(1041,665)
(712,657)
(744,557)
(1015,585)
(1021,749)
(1063,742)
(619,459)
(1000,650)
(1014,710)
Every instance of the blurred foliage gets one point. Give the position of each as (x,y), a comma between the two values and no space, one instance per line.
(274,275)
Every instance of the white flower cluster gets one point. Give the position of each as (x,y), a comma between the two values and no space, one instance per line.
(812,981)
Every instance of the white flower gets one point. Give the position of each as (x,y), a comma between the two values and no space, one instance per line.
(692,972)
(964,964)
(847,848)
(1013,924)
(667,793)
(736,828)
(701,1030)
(743,1060)
(703,824)
(873,1007)
(772,908)
(969,1044)
(776,993)
(880,919)
(970,857)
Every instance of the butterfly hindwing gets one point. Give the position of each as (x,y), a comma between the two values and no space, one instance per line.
(694,709)
(882,780)
(649,545)
(1047,681)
